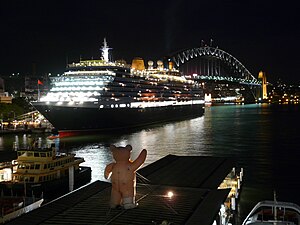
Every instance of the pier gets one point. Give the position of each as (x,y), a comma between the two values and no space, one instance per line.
(172,190)
(14,131)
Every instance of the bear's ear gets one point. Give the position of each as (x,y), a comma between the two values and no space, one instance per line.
(112,147)
(128,147)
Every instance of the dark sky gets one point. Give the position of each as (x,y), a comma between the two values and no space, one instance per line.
(263,35)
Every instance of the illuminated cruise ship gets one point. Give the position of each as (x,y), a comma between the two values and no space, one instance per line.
(103,95)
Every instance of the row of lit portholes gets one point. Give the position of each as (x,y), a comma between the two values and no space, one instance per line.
(115,106)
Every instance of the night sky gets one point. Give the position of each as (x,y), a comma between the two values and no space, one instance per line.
(263,35)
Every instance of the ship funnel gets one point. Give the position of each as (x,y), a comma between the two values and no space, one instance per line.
(138,64)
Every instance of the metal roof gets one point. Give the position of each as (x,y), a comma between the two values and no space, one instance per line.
(193,180)
(188,171)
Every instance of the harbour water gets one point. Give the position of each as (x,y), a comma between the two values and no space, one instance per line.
(262,138)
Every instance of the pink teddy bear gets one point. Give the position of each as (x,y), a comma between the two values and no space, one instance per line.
(123,176)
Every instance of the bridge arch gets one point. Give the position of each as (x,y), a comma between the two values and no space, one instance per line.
(239,72)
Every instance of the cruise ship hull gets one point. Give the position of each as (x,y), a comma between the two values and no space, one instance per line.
(83,118)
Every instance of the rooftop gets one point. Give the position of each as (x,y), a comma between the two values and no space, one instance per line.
(193,180)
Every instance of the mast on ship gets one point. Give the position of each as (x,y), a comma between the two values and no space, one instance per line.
(105,49)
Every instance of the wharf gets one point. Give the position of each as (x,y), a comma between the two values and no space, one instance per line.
(14,131)
(36,130)
(194,181)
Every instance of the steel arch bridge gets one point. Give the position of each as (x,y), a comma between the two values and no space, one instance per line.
(217,65)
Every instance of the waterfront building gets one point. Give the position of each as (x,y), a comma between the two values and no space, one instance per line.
(4,97)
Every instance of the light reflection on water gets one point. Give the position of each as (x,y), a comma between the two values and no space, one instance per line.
(175,138)
(262,139)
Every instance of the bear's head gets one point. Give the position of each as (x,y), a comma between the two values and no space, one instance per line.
(121,153)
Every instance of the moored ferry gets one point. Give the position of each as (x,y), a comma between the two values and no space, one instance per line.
(43,171)
(102,95)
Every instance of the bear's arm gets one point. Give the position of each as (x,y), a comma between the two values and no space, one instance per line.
(139,160)
(108,170)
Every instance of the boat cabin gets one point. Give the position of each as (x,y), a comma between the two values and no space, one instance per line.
(43,164)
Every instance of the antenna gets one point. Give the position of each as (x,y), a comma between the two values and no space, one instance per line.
(105,49)
(275,208)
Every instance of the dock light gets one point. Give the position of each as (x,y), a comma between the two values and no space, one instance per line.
(170,194)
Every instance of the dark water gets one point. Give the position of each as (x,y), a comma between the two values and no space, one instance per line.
(263,139)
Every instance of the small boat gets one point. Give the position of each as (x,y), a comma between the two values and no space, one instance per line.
(273,213)
(12,206)
(51,137)
(42,170)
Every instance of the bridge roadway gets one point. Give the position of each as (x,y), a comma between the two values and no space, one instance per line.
(194,181)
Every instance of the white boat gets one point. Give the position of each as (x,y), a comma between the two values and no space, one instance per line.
(12,207)
(273,213)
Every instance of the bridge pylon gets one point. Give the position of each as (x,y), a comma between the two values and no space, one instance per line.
(262,92)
